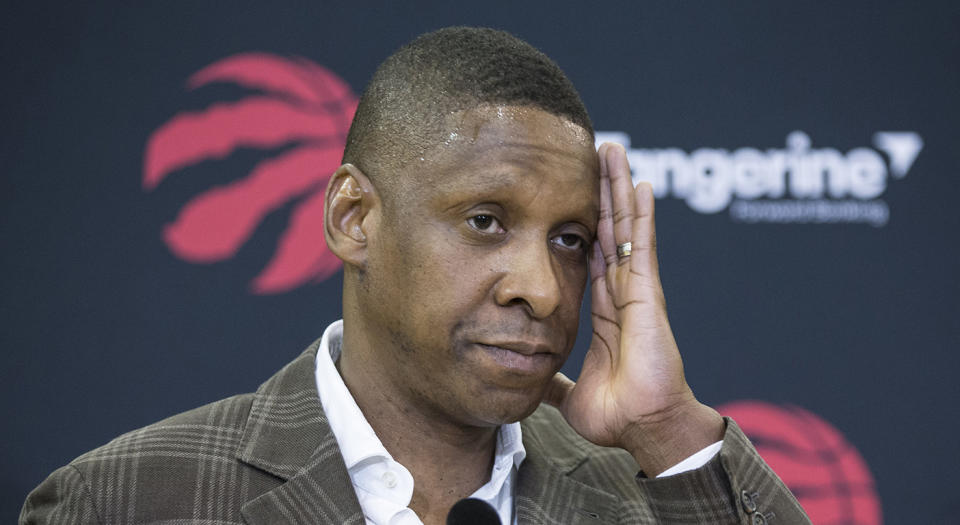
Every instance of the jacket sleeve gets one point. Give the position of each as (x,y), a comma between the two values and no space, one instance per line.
(62,498)
(735,487)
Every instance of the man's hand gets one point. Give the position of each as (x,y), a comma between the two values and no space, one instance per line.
(631,392)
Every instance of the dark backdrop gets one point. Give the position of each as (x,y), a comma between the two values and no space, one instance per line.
(106,329)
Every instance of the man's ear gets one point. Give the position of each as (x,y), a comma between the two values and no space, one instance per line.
(347,220)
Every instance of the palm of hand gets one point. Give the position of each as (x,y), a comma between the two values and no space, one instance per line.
(632,374)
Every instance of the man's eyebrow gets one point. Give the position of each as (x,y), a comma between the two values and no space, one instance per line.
(500,191)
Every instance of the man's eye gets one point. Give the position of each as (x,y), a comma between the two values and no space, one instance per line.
(485,223)
(570,241)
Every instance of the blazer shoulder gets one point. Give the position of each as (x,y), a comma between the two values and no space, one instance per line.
(157,470)
(208,428)
(200,465)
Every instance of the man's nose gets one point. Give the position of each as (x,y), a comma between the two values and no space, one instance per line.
(530,279)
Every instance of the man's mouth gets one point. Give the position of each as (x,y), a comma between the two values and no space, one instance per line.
(519,357)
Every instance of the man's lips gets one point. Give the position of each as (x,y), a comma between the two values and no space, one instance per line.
(520,356)
(521,347)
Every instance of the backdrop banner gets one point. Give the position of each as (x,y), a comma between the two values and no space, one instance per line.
(162,200)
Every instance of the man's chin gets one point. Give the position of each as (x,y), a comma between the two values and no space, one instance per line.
(507,407)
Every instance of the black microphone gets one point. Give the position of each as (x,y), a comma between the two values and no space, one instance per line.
(472,511)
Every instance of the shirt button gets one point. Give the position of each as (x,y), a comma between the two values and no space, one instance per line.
(749,504)
(389,479)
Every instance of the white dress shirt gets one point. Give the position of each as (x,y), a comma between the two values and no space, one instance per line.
(385,487)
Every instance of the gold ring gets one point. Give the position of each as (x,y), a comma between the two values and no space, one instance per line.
(623,250)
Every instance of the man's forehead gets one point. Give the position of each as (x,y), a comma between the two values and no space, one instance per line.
(523,136)
(517,156)
(498,150)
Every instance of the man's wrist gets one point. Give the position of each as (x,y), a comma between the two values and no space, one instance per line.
(673,437)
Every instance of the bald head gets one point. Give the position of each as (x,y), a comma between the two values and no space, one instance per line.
(407,106)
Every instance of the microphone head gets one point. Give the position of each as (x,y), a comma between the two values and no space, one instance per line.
(472,511)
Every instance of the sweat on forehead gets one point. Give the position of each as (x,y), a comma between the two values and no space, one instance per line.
(406,108)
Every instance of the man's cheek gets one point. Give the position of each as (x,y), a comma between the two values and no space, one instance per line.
(575,286)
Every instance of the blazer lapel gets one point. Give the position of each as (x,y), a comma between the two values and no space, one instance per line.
(287,435)
(546,494)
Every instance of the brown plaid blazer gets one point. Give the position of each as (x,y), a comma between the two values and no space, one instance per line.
(270,457)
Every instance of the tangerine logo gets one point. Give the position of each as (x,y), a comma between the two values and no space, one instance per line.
(301,107)
(824,471)
(798,185)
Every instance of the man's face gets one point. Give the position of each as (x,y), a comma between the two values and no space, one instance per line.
(479,263)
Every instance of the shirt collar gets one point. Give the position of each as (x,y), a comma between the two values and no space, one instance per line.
(506,461)
(355,436)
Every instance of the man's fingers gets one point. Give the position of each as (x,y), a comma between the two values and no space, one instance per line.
(598,267)
(558,389)
(608,247)
(621,187)
(601,305)
(643,260)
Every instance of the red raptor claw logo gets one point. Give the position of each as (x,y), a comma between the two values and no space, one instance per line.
(302,104)
(823,470)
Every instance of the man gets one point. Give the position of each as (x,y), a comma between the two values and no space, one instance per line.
(470,211)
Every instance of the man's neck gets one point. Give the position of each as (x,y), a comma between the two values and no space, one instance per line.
(448,460)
